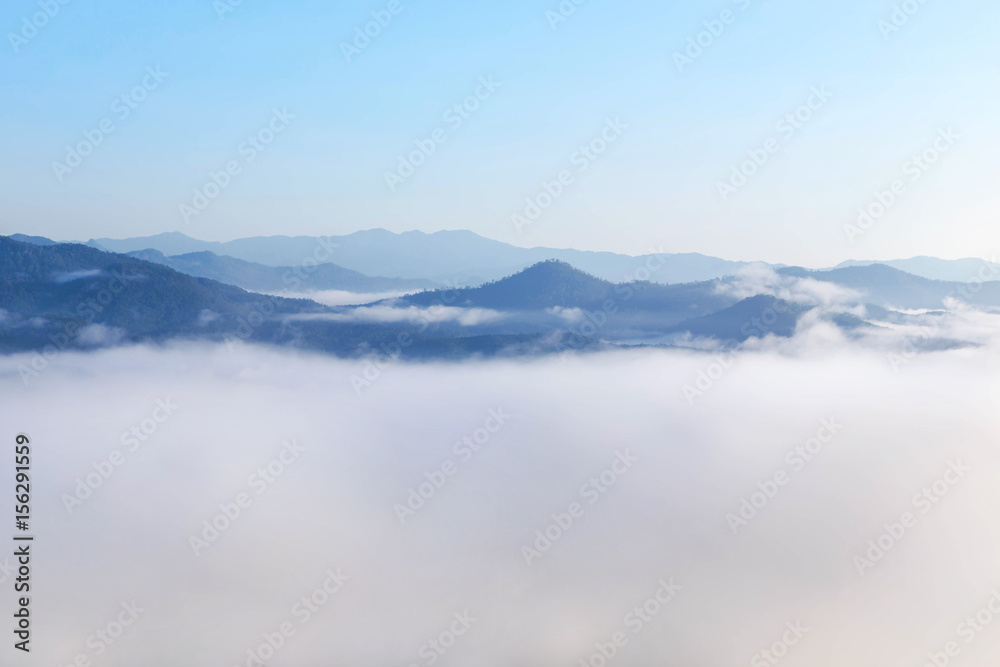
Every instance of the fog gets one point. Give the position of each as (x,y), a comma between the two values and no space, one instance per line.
(340,297)
(412,314)
(835,441)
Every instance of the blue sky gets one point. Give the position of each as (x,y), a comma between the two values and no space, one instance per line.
(655,185)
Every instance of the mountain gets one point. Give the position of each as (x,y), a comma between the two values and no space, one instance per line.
(34,240)
(758,316)
(885,286)
(70,295)
(464,258)
(548,284)
(448,257)
(260,278)
(554,296)
(169,243)
(955,270)
(552,285)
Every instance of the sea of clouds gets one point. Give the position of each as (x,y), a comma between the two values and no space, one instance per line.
(575,509)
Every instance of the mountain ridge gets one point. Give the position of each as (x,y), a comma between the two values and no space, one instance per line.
(260,278)
(494,259)
(450,257)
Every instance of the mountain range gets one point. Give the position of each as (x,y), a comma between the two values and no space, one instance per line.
(447,257)
(956,270)
(76,296)
(464,258)
(261,278)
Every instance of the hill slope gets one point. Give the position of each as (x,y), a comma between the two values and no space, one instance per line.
(260,278)
(756,316)
(71,295)
(556,284)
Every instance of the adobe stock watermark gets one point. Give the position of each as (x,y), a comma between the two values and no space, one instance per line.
(595,320)
(259,482)
(132,439)
(260,312)
(913,170)
(87,311)
(6,569)
(923,501)
(122,107)
(900,16)
(635,620)
(105,637)
(591,491)
(292,279)
(755,327)
(796,460)
(31,25)
(223,7)
(364,35)
(302,611)
(455,116)
(787,128)
(794,632)
(435,647)
(585,156)
(464,450)
(248,150)
(389,353)
(968,631)
(562,12)
(698,43)
(907,352)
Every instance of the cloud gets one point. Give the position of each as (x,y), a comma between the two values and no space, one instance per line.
(568,419)
(339,297)
(757,279)
(70,276)
(207,316)
(97,335)
(387,313)
(571,315)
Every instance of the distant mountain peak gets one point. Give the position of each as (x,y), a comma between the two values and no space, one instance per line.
(554,267)
(33,240)
(551,271)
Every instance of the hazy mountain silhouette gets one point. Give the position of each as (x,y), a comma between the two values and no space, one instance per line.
(76,296)
(756,316)
(886,286)
(261,278)
(52,293)
(933,268)
(35,240)
(556,284)
(465,258)
(450,257)
(72,296)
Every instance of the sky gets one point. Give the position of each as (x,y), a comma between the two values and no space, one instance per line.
(309,118)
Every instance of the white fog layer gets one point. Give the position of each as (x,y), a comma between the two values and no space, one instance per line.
(812,501)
